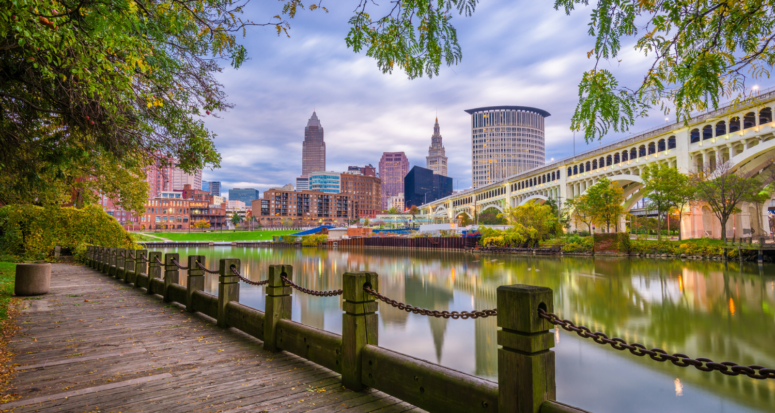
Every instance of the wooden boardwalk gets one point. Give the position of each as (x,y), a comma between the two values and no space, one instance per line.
(94,344)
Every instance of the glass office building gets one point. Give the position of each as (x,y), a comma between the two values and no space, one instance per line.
(421,186)
(329,182)
(246,195)
(505,141)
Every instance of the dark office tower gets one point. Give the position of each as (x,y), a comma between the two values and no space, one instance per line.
(215,188)
(313,155)
(246,195)
(421,186)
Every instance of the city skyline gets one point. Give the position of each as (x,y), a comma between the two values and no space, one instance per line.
(367,112)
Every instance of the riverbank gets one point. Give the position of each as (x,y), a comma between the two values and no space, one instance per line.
(215,236)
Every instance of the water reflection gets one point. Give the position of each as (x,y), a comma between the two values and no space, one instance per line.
(703,309)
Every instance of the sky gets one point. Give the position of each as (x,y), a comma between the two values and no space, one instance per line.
(514,53)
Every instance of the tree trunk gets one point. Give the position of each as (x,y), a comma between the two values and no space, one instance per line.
(659,227)
(724,229)
(680,218)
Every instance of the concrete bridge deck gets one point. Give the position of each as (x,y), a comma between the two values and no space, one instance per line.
(95,344)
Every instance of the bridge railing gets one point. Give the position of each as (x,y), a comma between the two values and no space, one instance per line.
(526,363)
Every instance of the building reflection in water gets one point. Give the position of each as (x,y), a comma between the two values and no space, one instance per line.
(697,308)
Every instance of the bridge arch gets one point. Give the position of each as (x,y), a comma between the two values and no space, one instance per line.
(534,198)
(488,206)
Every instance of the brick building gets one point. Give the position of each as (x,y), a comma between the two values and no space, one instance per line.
(393,167)
(165,213)
(303,208)
(365,192)
(215,215)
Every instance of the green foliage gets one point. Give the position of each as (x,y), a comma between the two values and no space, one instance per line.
(313,240)
(701,51)
(540,218)
(605,200)
(689,247)
(31,233)
(666,189)
(511,238)
(623,242)
(491,216)
(414,36)
(465,220)
(575,243)
(7,282)
(235,219)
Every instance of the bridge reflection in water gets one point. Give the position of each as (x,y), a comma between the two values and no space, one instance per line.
(701,309)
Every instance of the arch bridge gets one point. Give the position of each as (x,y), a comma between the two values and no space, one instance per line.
(741,135)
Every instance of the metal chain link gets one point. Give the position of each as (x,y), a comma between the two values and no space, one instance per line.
(245,280)
(312,292)
(132,254)
(177,264)
(203,268)
(435,313)
(158,260)
(681,360)
(144,257)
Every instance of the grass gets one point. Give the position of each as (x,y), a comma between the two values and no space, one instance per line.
(144,237)
(7,277)
(220,236)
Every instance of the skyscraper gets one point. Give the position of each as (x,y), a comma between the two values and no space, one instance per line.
(180,179)
(505,140)
(421,186)
(393,167)
(313,155)
(246,195)
(436,160)
(215,188)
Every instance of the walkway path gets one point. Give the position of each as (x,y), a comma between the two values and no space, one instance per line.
(95,344)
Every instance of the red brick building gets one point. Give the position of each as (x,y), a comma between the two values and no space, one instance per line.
(365,192)
(303,209)
(215,215)
(163,213)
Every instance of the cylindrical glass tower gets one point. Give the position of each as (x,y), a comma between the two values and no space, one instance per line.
(505,140)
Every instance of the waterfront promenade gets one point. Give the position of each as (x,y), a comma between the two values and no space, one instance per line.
(96,344)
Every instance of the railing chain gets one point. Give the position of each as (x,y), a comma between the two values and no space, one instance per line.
(177,264)
(331,293)
(203,268)
(681,360)
(245,280)
(435,313)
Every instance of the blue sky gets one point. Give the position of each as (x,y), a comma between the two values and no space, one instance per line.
(514,53)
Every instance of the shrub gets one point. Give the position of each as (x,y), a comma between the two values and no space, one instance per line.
(576,243)
(313,240)
(29,232)
(492,241)
(623,243)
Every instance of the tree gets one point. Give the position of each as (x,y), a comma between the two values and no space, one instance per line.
(287,222)
(392,211)
(366,222)
(539,217)
(723,190)
(235,219)
(130,81)
(413,211)
(491,216)
(605,198)
(465,220)
(701,51)
(201,224)
(663,185)
(582,211)
(685,195)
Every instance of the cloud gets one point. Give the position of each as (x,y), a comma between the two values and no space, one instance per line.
(525,54)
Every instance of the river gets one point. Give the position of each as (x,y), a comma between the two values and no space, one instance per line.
(701,309)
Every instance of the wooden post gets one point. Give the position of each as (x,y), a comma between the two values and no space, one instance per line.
(100,258)
(761,254)
(120,262)
(196,279)
(106,253)
(154,269)
(140,265)
(359,324)
(129,266)
(525,363)
(171,273)
(228,287)
(278,304)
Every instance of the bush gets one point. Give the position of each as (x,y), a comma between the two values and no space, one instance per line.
(623,243)
(313,240)
(29,232)
(575,243)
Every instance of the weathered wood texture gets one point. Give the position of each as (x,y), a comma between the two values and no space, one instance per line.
(551,406)
(96,344)
(427,385)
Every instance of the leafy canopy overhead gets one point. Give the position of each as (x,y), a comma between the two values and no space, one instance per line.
(131,80)
(701,51)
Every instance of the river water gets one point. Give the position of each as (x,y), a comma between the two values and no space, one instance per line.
(701,309)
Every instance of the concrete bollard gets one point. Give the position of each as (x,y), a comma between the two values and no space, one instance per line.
(171,273)
(278,304)
(196,279)
(154,269)
(32,279)
(525,361)
(140,266)
(228,287)
(359,324)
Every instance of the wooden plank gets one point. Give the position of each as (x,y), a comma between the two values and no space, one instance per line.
(318,346)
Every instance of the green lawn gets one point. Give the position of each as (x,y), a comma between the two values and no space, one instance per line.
(144,237)
(7,276)
(220,236)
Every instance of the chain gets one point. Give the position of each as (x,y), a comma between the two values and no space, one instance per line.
(203,268)
(247,281)
(681,360)
(177,264)
(158,260)
(435,313)
(312,292)
(144,257)
(132,254)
